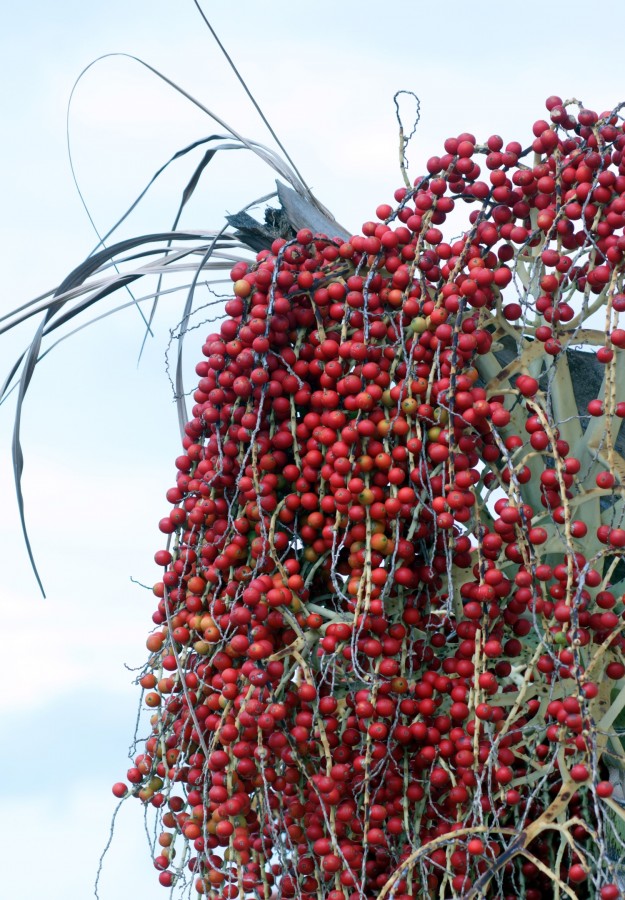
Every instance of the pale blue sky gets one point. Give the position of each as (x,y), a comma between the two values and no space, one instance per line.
(100,434)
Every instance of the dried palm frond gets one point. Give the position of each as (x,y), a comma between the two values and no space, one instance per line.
(108,269)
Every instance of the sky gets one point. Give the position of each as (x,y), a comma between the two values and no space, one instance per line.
(99,430)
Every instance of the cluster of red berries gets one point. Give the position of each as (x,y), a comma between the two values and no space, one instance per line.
(389,622)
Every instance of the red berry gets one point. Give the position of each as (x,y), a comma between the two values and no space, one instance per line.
(526,385)
(577,874)
(604,789)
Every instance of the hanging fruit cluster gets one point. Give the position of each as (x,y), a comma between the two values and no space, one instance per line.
(389,648)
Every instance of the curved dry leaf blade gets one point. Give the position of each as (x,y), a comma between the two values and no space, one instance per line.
(18,456)
(177,155)
(93,263)
(265,153)
(186,195)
